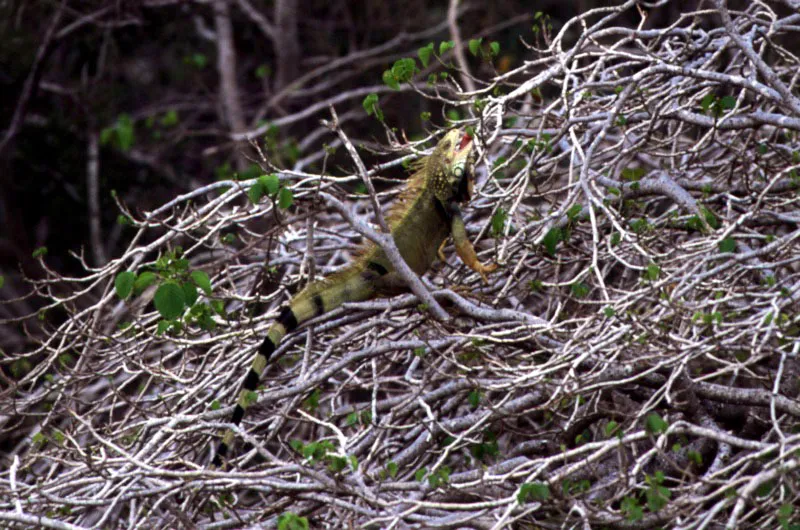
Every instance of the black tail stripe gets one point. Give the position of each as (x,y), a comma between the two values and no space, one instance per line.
(251,381)
(238,414)
(287,320)
(319,306)
(377,267)
(222,450)
(267,348)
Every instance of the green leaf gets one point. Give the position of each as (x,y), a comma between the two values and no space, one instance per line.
(370,104)
(425,54)
(474,398)
(475,46)
(39,252)
(215,405)
(250,397)
(551,239)
(403,69)
(255,192)
(727,102)
(630,507)
(609,311)
(706,102)
(580,289)
(533,491)
(189,293)
(169,300)
(263,71)
(611,428)
(201,279)
(199,60)
(2,281)
(123,284)
(124,130)
(446,46)
(652,272)
(170,118)
(727,245)
(390,80)
(494,48)
(285,198)
(655,424)
(291,521)
(419,476)
(499,222)
(269,183)
(143,281)
(391,467)
(162,326)
(574,211)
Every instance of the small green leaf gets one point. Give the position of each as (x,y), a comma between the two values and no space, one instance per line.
(494,48)
(727,245)
(403,69)
(189,293)
(446,46)
(499,222)
(285,198)
(551,239)
(419,476)
(611,428)
(727,102)
(143,281)
(425,54)
(263,71)
(533,491)
(215,405)
(250,397)
(630,507)
(291,521)
(39,252)
(124,130)
(475,46)
(474,398)
(580,289)
(170,118)
(201,279)
(574,211)
(369,103)
(609,311)
(390,80)
(655,424)
(123,284)
(199,60)
(270,183)
(391,467)
(2,281)
(255,192)
(706,102)
(652,272)
(169,300)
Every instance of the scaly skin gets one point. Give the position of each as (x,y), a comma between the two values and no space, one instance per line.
(424,216)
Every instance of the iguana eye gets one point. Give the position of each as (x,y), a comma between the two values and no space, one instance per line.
(458,172)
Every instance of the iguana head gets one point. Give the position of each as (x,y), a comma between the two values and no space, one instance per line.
(451,167)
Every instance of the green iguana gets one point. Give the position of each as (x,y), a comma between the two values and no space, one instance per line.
(421,220)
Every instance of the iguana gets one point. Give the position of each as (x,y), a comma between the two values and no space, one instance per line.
(425,214)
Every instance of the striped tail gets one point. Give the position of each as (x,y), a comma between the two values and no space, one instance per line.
(351,285)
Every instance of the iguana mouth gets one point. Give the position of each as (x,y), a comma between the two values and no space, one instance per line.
(465,141)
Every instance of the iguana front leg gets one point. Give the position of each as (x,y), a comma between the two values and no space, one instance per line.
(464,247)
